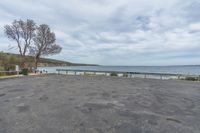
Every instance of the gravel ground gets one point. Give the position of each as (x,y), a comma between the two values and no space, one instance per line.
(81,104)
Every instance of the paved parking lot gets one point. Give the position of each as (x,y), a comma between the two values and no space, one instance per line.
(88,104)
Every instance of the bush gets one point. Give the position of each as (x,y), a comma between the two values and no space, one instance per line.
(125,75)
(24,71)
(1,68)
(191,78)
(113,74)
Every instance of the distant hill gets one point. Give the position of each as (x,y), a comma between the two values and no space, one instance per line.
(9,60)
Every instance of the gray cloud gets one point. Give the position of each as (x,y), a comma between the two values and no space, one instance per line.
(131,32)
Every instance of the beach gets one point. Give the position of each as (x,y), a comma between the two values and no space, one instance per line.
(98,104)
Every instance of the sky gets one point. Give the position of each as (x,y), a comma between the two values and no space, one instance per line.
(114,32)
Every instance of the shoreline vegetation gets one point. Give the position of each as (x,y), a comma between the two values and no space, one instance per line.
(9,60)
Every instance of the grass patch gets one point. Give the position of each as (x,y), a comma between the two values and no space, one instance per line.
(113,74)
(2,74)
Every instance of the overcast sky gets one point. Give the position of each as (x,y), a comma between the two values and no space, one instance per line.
(114,32)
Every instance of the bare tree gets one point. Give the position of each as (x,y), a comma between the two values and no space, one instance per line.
(28,33)
(22,32)
(44,43)
(13,33)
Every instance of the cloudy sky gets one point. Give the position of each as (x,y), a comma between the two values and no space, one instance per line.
(114,32)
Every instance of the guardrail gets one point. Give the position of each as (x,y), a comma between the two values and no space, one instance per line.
(127,74)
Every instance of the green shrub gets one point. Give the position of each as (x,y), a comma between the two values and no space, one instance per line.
(113,74)
(125,75)
(191,78)
(24,71)
(1,68)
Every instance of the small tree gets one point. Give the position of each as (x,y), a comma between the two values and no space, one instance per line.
(22,32)
(44,43)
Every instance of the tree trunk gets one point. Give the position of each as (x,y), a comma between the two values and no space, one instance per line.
(22,65)
(19,47)
(36,62)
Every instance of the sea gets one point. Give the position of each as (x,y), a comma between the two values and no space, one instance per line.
(186,70)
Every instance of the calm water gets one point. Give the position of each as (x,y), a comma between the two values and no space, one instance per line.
(189,70)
